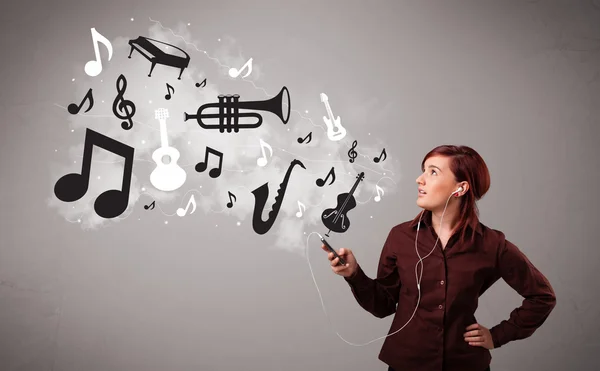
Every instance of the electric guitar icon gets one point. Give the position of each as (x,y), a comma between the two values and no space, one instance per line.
(331,122)
(166,176)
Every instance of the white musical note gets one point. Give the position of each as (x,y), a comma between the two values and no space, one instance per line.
(234,72)
(94,67)
(300,206)
(182,212)
(378,197)
(263,160)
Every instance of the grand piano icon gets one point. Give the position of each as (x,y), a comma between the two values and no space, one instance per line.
(156,54)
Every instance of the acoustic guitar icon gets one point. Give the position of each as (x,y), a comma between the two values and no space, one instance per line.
(331,122)
(166,176)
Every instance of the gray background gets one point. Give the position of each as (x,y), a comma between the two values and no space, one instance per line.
(516,80)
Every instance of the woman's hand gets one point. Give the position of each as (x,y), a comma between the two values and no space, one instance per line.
(478,335)
(343,270)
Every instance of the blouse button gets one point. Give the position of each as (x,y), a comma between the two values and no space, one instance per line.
(440,306)
(442,282)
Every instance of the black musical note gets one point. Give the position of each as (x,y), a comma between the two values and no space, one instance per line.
(72,187)
(74,109)
(309,136)
(168,96)
(151,206)
(202,84)
(121,104)
(230,203)
(201,166)
(321,182)
(377,159)
(352,153)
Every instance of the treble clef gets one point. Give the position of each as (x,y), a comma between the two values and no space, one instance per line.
(352,153)
(123,105)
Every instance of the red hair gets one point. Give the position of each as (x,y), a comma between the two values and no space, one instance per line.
(467,166)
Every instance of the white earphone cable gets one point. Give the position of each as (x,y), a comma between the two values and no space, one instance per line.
(418,279)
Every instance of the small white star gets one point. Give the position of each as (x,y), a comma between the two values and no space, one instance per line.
(190,142)
(98,176)
(131,19)
(73,80)
(102,101)
(238,223)
(188,24)
(371,216)
(78,220)
(72,130)
(55,150)
(166,222)
(143,141)
(150,101)
(216,225)
(143,189)
(306,111)
(219,39)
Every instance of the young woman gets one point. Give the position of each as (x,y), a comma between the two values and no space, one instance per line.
(433,269)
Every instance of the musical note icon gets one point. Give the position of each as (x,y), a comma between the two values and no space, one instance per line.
(181,212)
(378,197)
(263,160)
(230,203)
(151,206)
(121,104)
(321,182)
(309,136)
(352,153)
(202,84)
(214,172)
(74,109)
(377,159)
(234,72)
(94,67)
(168,96)
(72,187)
(300,206)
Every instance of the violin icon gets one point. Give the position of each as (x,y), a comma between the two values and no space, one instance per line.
(335,218)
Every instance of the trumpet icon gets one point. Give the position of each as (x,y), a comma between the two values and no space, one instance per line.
(229,106)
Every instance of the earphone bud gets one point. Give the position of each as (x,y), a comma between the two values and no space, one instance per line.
(458,190)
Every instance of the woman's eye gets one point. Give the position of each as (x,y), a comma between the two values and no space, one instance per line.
(433,171)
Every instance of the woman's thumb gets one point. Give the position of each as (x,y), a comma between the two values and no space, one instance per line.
(342,251)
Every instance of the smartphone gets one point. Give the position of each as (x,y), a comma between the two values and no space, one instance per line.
(341,260)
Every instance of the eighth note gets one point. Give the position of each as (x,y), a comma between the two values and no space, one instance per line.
(151,206)
(202,84)
(378,197)
(94,67)
(168,96)
(214,172)
(230,203)
(383,154)
(309,136)
(263,160)
(74,109)
(300,206)
(321,182)
(234,72)
(181,212)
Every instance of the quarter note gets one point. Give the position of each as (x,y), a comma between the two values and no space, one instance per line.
(72,187)
(151,206)
(168,96)
(234,72)
(94,67)
(181,212)
(230,203)
(121,104)
(321,182)
(214,172)
(383,154)
(74,109)
(309,136)
(263,160)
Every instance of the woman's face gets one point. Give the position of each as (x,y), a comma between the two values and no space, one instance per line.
(438,183)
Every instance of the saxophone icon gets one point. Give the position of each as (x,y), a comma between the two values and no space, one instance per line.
(261,194)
